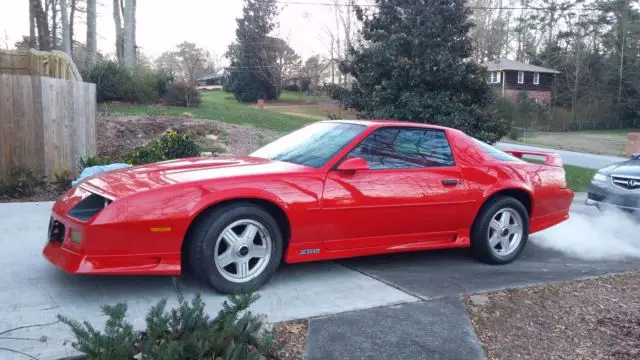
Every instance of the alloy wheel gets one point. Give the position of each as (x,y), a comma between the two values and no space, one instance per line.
(243,250)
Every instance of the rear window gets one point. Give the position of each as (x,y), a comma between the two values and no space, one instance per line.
(497,153)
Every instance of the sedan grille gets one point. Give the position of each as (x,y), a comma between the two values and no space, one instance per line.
(56,231)
(626,182)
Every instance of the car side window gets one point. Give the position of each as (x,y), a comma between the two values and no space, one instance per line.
(402,148)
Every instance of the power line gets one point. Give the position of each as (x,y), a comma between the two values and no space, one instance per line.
(548,8)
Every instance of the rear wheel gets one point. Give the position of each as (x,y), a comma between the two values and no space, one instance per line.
(501,231)
(235,248)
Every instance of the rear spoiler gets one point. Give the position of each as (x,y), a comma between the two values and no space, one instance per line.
(550,159)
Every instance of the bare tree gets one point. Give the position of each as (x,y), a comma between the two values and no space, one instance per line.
(92,46)
(129,47)
(66,35)
(42,23)
(117,19)
(32,26)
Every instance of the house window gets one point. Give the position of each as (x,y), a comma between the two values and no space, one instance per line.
(494,77)
(536,78)
(520,77)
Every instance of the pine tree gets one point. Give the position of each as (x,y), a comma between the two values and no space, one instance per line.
(414,63)
(249,78)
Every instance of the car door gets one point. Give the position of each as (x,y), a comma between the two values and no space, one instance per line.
(410,194)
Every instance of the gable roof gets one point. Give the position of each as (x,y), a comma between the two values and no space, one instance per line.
(506,64)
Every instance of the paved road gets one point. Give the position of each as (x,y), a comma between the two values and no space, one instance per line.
(34,292)
(590,161)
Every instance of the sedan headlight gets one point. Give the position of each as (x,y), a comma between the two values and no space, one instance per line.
(599,177)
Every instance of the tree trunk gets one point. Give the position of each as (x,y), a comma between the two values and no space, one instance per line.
(32,26)
(133,30)
(129,49)
(66,37)
(53,6)
(72,16)
(117,19)
(92,46)
(622,46)
(42,24)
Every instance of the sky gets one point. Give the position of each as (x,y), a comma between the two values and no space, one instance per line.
(211,24)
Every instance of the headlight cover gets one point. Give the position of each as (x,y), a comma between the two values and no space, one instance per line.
(599,177)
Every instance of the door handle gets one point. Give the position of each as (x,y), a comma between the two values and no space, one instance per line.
(451,181)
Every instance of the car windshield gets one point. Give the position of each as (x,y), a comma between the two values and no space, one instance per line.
(497,153)
(313,145)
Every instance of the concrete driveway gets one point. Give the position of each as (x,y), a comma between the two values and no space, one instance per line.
(590,161)
(34,292)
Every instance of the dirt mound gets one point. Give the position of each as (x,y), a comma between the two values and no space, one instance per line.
(118,134)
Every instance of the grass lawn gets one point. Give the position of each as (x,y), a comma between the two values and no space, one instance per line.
(578,178)
(217,105)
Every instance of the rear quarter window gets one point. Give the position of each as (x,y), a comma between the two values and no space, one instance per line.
(497,153)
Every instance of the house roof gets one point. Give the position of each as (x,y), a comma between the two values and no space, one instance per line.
(216,75)
(506,64)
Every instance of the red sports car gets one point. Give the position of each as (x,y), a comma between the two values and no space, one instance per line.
(332,189)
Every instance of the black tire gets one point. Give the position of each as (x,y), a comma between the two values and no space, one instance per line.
(479,233)
(202,239)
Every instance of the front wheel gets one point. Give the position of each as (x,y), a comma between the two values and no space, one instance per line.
(236,248)
(501,231)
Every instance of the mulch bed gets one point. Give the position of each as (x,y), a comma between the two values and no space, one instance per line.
(40,192)
(590,319)
(290,339)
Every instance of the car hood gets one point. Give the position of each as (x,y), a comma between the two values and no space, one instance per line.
(122,182)
(625,168)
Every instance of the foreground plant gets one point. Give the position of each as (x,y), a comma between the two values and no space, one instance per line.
(182,333)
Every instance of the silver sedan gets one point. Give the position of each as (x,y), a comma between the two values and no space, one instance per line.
(617,185)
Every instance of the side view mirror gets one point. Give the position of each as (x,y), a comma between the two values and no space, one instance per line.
(354,164)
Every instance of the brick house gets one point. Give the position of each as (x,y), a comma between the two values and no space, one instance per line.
(509,78)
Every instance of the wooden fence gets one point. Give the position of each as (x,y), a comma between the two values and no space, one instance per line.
(46,124)
(56,64)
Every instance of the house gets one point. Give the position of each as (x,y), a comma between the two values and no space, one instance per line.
(510,77)
(212,81)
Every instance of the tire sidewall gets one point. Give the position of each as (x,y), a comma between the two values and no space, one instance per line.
(221,221)
(481,231)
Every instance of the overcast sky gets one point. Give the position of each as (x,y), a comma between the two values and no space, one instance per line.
(161,24)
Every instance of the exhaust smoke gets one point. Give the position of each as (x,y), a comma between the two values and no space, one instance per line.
(610,235)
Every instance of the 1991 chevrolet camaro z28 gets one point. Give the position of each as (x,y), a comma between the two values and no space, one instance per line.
(332,189)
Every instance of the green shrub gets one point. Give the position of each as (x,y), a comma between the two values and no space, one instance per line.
(170,146)
(334,91)
(21,183)
(144,86)
(163,80)
(178,145)
(63,178)
(90,161)
(181,94)
(114,82)
(182,333)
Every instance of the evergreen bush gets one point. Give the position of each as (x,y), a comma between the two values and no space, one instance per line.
(185,332)
(170,146)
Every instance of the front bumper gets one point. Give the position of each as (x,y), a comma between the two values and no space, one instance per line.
(605,194)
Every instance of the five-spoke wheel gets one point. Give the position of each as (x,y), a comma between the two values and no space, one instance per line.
(236,247)
(500,231)
(243,250)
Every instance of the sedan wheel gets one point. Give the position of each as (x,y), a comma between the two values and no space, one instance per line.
(235,248)
(500,231)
